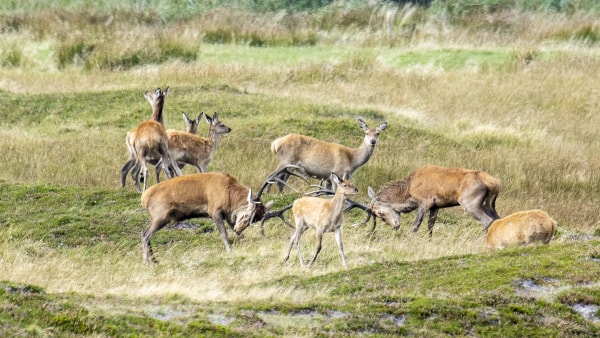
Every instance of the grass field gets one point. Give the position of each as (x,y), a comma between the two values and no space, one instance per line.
(519,103)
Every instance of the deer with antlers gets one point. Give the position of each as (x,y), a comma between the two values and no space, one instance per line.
(149,141)
(319,158)
(323,215)
(431,188)
(219,196)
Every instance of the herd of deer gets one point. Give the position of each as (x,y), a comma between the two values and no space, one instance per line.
(224,198)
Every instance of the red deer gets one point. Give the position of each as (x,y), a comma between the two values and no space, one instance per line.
(319,158)
(323,215)
(219,196)
(149,141)
(191,126)
(187,148)
(431,188)
(520,228)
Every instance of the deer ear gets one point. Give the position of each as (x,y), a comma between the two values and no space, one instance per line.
(215,118)
(362,124)
(382,126)
(149,96)
(335,178)
(166,91)
(186,118)
(371,192)
(208,119)
(199,117)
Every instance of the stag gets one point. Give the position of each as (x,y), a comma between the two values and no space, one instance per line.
(520,228)
(431,188)
(149,141)
(323,215)
(187,148)
(219,196)
(191,126)
(319,158)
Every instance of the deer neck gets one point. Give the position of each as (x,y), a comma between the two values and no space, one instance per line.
(213,138)
(362,154)
(338,202)
(157,113)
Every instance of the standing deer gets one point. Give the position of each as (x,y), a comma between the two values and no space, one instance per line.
(150,141)
(219,196)
(191,126)
(187,148)
(520,228)
(319,158)
(323,215)
(431,188)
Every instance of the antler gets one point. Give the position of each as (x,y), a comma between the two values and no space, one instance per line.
(273,214)
(274,177)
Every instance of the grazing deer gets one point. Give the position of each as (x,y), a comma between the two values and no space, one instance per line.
(191,126)
(187,148)
(431,188)
(323,215)
(319,158)
(149,141)
(219,196)
(520,228)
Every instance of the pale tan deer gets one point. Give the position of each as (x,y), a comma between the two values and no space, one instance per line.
(187,148)
(322,215)
(219,196)
(319,158)
(191,126)
(431,188)
(520,228)
(150,141)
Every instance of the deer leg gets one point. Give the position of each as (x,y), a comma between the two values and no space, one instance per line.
(219,223)
(431,221)
(319,241)
(126,168)
(283,177)
(298,235)
(292,241)
(338,238)
(155,225)
(418,219)
(475,208)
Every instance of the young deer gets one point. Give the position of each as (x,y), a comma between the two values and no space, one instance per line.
(149,141)
(319,158)
(323,215)
(191,126)
(196,150)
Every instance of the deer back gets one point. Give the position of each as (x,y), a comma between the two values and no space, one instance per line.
(203,193)
(318,158)
(523,227)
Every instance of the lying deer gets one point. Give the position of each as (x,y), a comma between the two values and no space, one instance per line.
(219,196)
(520,228)
(323,215)
(191,126)
(319,158)
(431,188)
(149,141)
